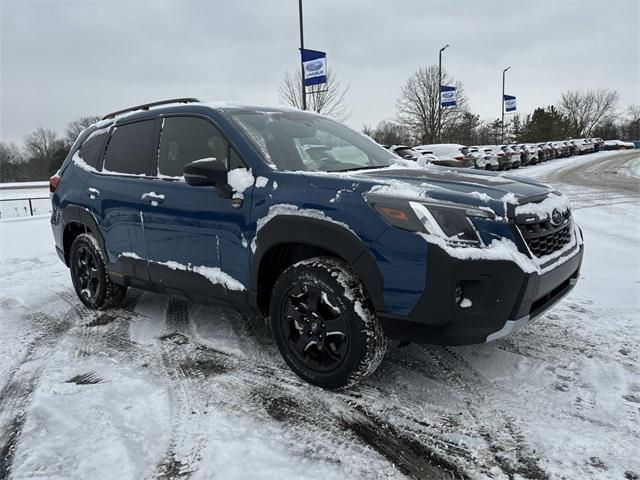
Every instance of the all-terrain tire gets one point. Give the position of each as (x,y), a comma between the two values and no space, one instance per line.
(338,293)
(103,293)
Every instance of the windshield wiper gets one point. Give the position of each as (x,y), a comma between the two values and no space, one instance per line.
(370,167)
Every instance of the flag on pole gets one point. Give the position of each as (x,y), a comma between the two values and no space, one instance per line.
(314,64)
(509,103)
(447,96)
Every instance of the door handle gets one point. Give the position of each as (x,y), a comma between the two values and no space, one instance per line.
(93,192)
(153,198)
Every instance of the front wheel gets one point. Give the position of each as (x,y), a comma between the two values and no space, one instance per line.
(323,324)
(89,274)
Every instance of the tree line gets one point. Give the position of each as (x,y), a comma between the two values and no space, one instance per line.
(41,153)
(577,114)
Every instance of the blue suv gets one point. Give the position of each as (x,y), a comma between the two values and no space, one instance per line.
(292,216)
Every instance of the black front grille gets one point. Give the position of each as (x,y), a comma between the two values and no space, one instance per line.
(543,238)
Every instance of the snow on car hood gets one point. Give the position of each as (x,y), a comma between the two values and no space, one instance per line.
(470,187)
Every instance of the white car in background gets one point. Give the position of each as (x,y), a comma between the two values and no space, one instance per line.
(449,154)
(582,145)
(410,153)
(483,158)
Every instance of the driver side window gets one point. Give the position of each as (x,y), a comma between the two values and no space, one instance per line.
(185,139)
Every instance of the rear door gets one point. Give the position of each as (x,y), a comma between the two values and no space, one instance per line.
(195,235)
(115,194)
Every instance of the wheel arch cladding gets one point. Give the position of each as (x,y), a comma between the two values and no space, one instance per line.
(287,239)
(79,220)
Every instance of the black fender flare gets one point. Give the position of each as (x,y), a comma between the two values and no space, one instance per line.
(83,216)
(324,234)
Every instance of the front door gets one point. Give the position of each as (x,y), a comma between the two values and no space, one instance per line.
(195,235)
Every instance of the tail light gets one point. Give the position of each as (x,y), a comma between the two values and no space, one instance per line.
(459,157)
(53,183)
(501,154)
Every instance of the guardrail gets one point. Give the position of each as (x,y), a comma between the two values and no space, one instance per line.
(24,207)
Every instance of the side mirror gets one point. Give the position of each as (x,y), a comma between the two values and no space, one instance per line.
(208,172)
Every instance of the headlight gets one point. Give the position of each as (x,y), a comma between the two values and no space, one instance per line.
(448,221)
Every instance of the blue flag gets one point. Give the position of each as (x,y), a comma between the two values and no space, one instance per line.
(447,96)
(509,103)
(314,64)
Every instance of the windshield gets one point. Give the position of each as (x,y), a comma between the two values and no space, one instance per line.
(302,141)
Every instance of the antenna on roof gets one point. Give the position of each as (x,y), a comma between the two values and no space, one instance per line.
(146,106)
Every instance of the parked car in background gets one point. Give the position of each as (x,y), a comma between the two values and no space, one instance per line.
(404,151)
(484,158)
(505,162)
(513,154)
(526,157)
(582,145)
(532,151)
(618,145)
(449,154)
(561,149)
(423,157)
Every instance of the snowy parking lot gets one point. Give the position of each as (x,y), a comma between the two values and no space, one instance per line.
(161,388)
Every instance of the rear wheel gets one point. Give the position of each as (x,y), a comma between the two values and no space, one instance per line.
(323,325)
(89,275)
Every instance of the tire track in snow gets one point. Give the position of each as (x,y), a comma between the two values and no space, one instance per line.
(15,395)
(188,436)
(507,446)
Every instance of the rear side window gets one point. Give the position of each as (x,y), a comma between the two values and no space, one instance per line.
(91,150)
(129,150)
(186,139)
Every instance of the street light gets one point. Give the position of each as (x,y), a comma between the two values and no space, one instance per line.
(502,101)
(439,90)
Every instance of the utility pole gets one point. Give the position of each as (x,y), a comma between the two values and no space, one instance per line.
(440,92)
(304,91)
(501,99)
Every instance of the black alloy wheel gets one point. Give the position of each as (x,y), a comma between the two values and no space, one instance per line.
(316,332)
(85,270)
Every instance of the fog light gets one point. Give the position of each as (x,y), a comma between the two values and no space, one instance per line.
(459,294)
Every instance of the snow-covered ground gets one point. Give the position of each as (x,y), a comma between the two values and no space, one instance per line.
(161,388)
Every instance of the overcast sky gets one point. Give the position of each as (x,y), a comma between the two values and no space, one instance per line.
(64,59)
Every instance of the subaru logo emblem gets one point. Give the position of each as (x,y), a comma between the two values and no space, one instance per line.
(312,67)
(556,217)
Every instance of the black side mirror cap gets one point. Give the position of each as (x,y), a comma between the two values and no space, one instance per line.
(208,172)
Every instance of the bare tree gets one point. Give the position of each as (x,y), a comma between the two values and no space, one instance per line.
(328,99)
(74,129)
(40,147)
(389,133)
(418,103)
(587,109)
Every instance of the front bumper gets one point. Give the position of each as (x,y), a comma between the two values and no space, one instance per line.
(503,298)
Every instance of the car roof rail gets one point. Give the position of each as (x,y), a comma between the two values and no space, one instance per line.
(146,106)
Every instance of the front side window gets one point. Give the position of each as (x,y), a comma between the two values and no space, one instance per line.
(186,139)
(129,149)
(302,141)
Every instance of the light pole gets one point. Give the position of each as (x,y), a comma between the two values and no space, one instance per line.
(502,101)
(439,90)
(304,92)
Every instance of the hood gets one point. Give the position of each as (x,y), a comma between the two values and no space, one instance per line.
(466,186)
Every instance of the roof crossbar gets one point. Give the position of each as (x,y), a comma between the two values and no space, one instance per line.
(146,106)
